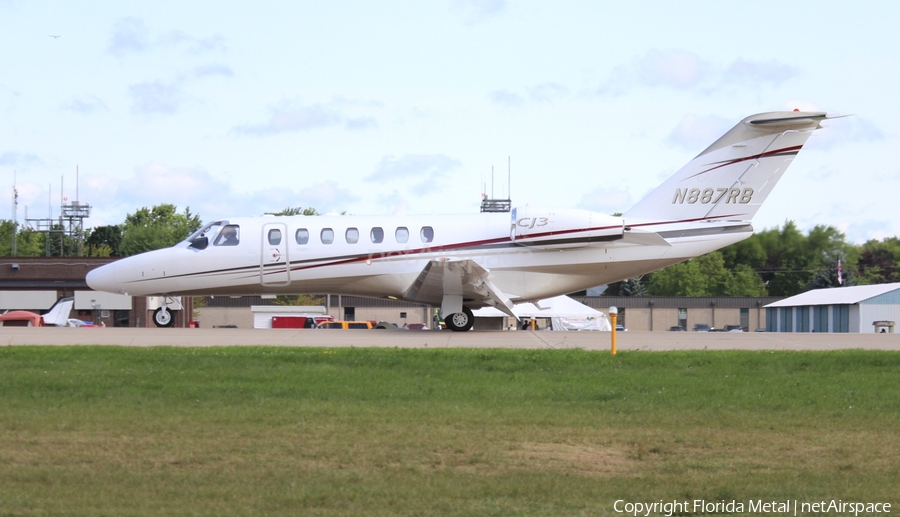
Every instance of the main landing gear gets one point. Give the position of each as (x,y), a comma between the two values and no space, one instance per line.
(460,321)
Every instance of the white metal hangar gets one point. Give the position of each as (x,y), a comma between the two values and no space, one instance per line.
(863,309)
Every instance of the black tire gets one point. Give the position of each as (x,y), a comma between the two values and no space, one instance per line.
(163,317)
(460,321)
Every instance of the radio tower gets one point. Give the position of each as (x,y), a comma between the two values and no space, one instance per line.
(15,214)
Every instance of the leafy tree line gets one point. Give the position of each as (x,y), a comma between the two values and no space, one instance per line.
(779,261)
(144,230)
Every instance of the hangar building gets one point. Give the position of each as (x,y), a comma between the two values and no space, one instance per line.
(862,309)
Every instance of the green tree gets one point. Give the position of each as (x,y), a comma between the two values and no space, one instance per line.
(295,211)
(104,241)
(29,243)
(158,227)
(632,287)
(684,279)
(828,277)
(707,276)
(743,280)
(749,252)
(6,233)
(879,261)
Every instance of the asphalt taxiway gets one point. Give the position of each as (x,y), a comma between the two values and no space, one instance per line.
(653,341)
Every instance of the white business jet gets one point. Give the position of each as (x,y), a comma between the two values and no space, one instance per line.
(464,262)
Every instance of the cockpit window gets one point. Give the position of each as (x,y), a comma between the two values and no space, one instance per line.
(229,236)
(199,240)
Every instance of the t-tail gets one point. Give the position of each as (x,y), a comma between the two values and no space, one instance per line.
(58,314)
(732,177)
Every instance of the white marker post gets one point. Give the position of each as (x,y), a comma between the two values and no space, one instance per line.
(613,313)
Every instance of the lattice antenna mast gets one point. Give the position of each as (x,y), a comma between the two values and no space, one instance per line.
(15,216)
(493,204)
(70,222)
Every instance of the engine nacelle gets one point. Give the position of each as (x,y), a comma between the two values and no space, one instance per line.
(536,226)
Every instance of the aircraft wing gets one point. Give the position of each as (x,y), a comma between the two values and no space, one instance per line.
(449,282)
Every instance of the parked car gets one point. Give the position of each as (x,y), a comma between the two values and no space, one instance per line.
(386,325)
(345,325)
(701,327)
(676,328)
(621,328)
(415,326)
(733,328)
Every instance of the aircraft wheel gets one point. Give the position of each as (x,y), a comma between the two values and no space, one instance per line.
(162,317)
(460,321)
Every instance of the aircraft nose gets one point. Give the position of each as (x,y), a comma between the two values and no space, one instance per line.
(103,279)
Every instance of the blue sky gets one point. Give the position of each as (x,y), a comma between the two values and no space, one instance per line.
(239,108)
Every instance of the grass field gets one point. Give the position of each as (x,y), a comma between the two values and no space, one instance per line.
(299,431)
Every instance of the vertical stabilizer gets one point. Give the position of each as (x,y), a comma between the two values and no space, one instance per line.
(732,177)
(58,315)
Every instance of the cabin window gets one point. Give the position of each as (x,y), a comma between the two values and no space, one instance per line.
(274,237)
(229,236)
(327,236)
(427,234)
(352,235)
(377,235)
(302,236)
(402,234)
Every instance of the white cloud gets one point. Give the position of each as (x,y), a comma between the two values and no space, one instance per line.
(290,117)
(131,35)
(429,166)
(85,104)
(696,132)
(505,98)
(683,70)
(194,45)
(205,193)
(11,159)
(213,69)
(606,201)
(548,92)
(155,97)
(360,123)
(677,69)
(862,231)
(474,11)
(741,71)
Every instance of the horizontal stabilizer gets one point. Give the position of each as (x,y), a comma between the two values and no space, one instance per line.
(644,238)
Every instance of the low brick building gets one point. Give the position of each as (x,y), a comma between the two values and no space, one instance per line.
(28,283)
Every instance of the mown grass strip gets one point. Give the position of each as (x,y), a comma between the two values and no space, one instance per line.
(104,430)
